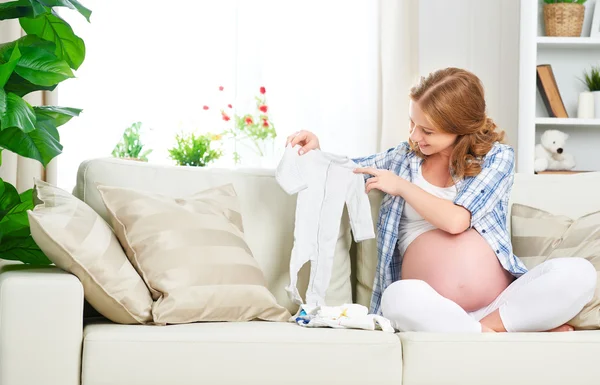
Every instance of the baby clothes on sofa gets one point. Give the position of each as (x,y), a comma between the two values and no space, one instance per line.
(323,182)
(346,316)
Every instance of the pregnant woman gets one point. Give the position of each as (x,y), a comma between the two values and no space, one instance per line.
(445,258)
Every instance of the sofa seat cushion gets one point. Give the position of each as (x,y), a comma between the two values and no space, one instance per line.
(234,352)
(503,358)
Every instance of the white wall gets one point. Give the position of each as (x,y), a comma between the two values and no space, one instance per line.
(481,36)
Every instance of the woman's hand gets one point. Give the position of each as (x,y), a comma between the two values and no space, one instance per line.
(306,139)
(383,180)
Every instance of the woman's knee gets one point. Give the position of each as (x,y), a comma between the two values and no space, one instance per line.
(577,274)
(402,294)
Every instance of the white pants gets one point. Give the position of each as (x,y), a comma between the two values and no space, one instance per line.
(544,298)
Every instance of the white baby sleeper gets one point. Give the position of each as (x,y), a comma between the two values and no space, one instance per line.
(323,182)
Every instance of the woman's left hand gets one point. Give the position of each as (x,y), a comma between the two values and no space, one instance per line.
(383,180)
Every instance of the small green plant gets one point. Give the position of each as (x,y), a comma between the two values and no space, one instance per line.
(564,1)
(195,150)
(592,78)
(131,146)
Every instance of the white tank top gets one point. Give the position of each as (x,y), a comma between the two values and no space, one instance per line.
(411,223)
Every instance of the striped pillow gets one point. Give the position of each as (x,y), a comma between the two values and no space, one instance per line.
(538,235)
(76,239)
(192,254)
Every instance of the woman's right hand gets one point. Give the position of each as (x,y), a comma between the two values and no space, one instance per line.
(306,139)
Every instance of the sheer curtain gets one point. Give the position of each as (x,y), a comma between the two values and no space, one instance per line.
(340,68)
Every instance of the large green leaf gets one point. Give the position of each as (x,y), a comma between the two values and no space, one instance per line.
(7,68)
(42,68)
(59,115)
(32,41)
(39,144)
(9,198)
(38,8)
(51,27)
(22,249)
(16,221)
(3,103)
(47,124)
(21,87)
(15,10)
(17,113)
(73,4)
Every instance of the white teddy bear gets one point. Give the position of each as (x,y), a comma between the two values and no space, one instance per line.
(550,153)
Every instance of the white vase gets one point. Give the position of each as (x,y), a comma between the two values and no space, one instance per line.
(586,106)
(596,103)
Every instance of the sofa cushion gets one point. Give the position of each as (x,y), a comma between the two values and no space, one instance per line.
(267,213)
(501,358)
(538,236)
(192,254)
(238,353)
(76,239)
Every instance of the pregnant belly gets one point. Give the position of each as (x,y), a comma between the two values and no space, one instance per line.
(462,267)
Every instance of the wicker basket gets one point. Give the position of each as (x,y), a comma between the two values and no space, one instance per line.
(563,19)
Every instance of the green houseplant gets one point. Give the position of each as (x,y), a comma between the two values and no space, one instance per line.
(130,146)
(195,150)
(40,60)
(591,79)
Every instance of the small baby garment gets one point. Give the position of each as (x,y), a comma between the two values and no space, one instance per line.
(324,182)
(347,316)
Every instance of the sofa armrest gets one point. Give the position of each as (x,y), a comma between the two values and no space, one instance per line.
(41,326)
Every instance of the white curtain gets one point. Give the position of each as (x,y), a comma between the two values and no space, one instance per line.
(340,68)
(15,169)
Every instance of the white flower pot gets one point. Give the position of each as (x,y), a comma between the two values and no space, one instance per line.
(596,103)
(586,106)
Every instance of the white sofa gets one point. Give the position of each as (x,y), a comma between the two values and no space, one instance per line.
(46,340)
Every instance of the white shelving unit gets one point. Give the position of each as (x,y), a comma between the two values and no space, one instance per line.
(569,57)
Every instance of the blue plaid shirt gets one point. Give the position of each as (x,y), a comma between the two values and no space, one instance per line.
(485,195)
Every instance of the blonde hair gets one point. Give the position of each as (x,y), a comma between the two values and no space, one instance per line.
(453,101)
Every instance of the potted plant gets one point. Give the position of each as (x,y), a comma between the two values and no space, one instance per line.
(195,150)
(40,60)
(592,82)
(130,146)
(564,17)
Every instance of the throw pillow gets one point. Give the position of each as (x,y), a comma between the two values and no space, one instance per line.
(192,254)
(538,235)
(76,239)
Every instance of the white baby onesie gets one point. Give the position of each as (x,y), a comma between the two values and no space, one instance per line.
(324,182)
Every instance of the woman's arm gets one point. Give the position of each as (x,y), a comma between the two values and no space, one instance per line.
(383,160)
(441,213)
(478,196)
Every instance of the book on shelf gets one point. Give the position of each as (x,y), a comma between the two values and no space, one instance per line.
(546,84)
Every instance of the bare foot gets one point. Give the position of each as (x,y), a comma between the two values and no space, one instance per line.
(563,328)
(486,329)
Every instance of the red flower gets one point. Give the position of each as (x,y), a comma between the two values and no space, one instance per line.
(226,118)
(263,108)
(262,90)
(265,123)
(221,88)
(249,120)
(230,106)
(205,107)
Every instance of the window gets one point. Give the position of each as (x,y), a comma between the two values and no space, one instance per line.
(159,65)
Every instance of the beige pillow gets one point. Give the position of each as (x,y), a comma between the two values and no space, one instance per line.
(192,254)
(76,239)
(538,236)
